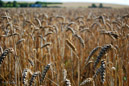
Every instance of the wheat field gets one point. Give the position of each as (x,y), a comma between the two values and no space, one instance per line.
(64,47)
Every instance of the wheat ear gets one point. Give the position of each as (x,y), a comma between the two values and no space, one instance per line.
(87,81)
(24,76)
(35,74)
(43,74)
(102,52)
(101,70)
(71,45)
(67,81)
(5,53)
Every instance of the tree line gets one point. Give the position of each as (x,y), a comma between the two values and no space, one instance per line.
(24,4)
(94,6)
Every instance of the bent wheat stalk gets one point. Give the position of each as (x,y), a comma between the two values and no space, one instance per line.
(19,41)
(46,44)
(71,45)
(111,34)
(71,29)
(87,81)
(92,53)
(80,39)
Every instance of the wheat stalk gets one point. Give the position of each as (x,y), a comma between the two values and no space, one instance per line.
(47,34)
(39,22)
(87,81)
(46,44)
(31,62)
(71,29)
(19,41)
(64,74)
(111,34)
(71,45)
(92,53)
(80,39)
